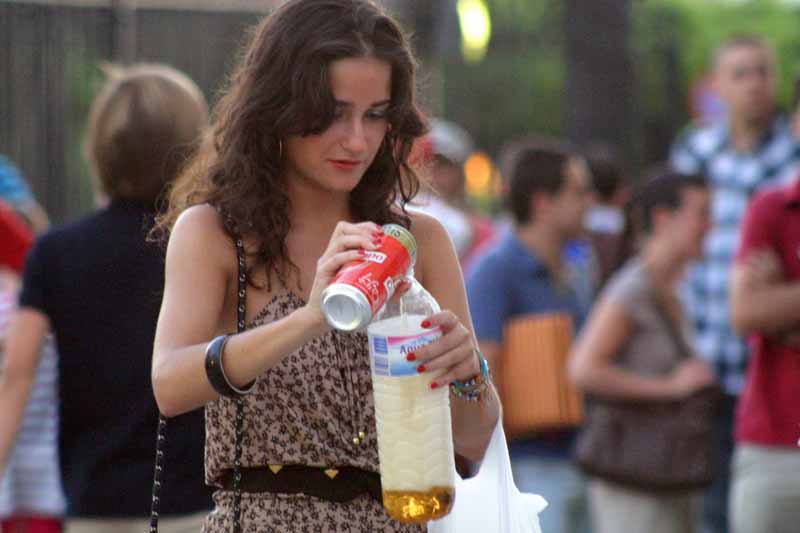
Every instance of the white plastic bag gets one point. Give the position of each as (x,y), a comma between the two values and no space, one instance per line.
(490,502)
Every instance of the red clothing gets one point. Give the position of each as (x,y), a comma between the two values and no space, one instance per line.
(15,239)
(484,235)
(769,409)
(30,525)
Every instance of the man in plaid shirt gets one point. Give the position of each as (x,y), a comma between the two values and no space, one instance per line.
(752,149)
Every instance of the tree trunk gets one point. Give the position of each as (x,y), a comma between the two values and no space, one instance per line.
(433,26)
(600,78)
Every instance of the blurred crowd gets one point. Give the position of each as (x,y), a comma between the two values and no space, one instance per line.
(678,279)
(690,274)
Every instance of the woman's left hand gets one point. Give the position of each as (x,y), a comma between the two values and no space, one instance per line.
(454,352)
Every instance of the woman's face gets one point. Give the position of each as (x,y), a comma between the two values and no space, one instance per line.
(336,159)
(690,222)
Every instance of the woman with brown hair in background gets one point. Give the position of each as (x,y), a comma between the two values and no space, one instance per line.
(628,351)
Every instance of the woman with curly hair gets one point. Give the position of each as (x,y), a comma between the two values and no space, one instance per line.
(308,158)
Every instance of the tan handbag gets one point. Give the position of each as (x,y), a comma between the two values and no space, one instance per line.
(531,375)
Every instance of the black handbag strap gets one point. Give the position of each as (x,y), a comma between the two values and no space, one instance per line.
(161,437)
(161,442)
(237,449)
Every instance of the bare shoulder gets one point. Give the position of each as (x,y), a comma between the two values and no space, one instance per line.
(200,222)
(428,231)
(436,252)
(198,234)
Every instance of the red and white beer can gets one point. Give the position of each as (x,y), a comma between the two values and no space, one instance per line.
(361,287)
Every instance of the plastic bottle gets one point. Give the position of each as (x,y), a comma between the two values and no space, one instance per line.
(415,443)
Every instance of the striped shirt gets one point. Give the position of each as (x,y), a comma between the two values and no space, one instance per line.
(733,177)
(31,483)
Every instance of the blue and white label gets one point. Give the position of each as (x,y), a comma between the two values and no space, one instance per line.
(389,352)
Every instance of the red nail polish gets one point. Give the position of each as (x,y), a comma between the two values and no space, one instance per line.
(434,385)
(362,252)
(426,324)
(411,357)
(421,368)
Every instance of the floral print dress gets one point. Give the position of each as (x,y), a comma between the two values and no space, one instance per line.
(315,408)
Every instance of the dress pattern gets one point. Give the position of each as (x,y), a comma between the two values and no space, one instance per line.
(314,408)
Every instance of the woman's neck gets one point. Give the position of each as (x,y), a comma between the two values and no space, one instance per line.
(317,210)
(665,266)
(313,216)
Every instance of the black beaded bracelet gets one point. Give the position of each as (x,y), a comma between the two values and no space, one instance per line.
(216,372)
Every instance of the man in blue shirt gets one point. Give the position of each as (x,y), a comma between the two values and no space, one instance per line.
(753,148)
(525,273)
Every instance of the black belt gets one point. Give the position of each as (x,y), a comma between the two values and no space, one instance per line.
(332,484)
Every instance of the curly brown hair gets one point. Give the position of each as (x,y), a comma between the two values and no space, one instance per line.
(281,88)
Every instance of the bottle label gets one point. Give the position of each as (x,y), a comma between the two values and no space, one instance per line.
(389,352)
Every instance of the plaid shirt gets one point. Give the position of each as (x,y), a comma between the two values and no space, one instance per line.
(733,178)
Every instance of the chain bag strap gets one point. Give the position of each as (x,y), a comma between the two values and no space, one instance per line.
(237,451)
(161,442)
(161,437)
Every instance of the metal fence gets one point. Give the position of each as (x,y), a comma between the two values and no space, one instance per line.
(50,52)
(49,58)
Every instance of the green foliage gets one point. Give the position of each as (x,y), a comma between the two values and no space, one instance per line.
(83,79)
(516,94)
(698,26)
(519,87)
(520,13)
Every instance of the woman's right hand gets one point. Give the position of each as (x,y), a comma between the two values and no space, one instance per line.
(348,243)
(689,377)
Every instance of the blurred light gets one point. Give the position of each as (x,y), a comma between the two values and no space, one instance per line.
(478,170)
(476,29)
(498,185)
